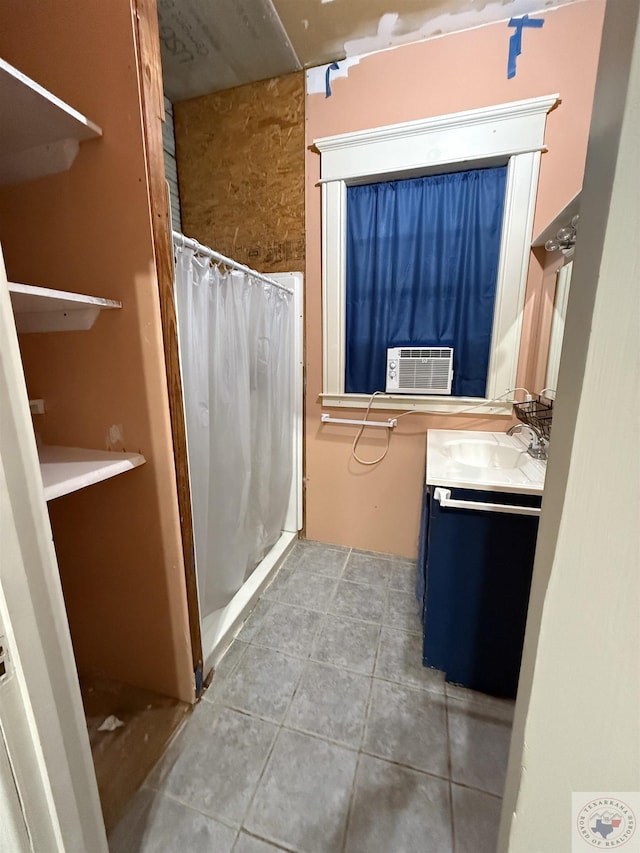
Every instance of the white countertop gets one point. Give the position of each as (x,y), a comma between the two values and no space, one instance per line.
(442,470)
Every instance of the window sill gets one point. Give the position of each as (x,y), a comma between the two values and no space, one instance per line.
(427,405)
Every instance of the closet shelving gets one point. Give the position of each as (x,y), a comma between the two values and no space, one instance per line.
(41,309)
(40,135)
(67,469)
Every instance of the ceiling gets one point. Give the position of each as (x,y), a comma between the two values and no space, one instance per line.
(209,45)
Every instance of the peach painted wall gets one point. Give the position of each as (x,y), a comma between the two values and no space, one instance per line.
(378,508)
(118,542)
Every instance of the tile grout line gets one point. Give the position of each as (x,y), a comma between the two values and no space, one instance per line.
(336,584)
(450,703)
(361,750)
(238,828)
(281,727)
(273,744)
(216,817)
(267,605)
(260,778)
(425,689)
(450,771)
(233,668)
(323,738)
(334,579)
(405,766)
(339,615)
(308,659)
(391,560)
(352,797)
(476,790)
(362,741)
(281,845)
(479,710)
(380,628)
(371,686)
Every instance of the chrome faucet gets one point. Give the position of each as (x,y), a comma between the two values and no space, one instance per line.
(537,446)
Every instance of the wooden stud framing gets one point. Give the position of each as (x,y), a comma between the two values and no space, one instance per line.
(151,93)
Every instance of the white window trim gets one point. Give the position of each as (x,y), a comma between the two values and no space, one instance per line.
(474,137)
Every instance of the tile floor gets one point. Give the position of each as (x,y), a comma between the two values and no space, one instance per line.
(323,733)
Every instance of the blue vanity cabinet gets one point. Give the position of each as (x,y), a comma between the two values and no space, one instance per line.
(474,579)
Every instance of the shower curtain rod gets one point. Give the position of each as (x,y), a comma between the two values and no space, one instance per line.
(190,243)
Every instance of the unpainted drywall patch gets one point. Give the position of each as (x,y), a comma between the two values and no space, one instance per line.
(395,29)
(115,438)
(317,77)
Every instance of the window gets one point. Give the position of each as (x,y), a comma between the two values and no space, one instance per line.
(422,266)
(476,139)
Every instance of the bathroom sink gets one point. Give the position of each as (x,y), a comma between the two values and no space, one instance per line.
(489,461)
(486,454)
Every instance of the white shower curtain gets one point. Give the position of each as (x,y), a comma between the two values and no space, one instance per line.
(235,335)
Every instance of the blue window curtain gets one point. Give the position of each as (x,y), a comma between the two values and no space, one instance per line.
(422,265)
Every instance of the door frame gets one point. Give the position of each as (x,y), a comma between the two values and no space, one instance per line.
(41,711)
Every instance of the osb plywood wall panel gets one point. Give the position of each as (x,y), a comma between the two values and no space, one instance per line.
(241,172)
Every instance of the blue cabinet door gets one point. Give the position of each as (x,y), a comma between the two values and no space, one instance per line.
(476,574)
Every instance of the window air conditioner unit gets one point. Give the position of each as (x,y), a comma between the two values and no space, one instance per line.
(419,370)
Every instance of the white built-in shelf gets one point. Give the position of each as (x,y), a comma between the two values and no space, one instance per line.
(563,218)
(67,469)
(39,134)
(40,309)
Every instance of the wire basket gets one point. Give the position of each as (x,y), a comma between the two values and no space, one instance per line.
(536,413)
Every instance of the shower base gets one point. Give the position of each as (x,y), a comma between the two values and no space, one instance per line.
(221,626)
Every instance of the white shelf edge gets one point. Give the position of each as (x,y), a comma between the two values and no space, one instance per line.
(42,309)
(44,133)
(68,469)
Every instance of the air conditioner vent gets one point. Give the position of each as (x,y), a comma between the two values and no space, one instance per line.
(419,370)
(433,352)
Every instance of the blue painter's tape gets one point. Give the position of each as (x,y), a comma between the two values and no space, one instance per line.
(515,48)
(327,80)
(515,42)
